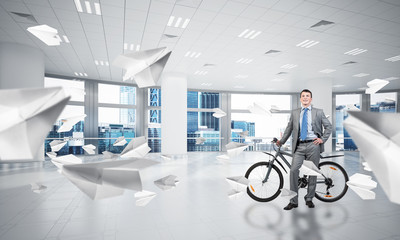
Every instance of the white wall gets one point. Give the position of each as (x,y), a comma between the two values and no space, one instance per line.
(21,66)
(174,114)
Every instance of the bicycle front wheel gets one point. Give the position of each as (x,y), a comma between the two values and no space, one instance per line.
(333,187)
(264,192)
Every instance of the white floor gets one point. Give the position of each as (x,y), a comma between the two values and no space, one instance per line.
(198,208)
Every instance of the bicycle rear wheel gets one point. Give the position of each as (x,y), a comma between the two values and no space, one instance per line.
(264,192)
(334,186)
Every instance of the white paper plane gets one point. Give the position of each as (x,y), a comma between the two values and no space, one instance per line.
(375,85)
(65,160)
(143,66)
(46,34)
(51,154)
(200,140)
(121,141)
(377,136)
(287,194)
(366,166)
(238,183)
(362,184)
(38,188)
(89,148)
(218,113)
(234,195)
(108,154)
(68,123)
(260,109)
(29,114)
(234,148)
(308,168)
(108,178)
(274,109)
(352,107)
(222,157)
(243,134)
(137,147)
(144,197)
(56,145)
(167,182)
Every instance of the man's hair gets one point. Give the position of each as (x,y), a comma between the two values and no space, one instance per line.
(306,90)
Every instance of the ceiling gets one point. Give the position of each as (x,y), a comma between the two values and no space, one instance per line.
(213,30)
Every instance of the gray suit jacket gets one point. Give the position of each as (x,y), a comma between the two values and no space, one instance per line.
(319,120)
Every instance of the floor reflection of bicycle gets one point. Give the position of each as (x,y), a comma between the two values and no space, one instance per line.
(302,225)
(266,180)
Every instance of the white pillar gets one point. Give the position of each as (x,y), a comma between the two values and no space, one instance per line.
(321,89)
(174,114)
(21,66)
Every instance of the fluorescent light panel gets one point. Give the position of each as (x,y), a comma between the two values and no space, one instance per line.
(327,70)
(78,5)
(249,34)
(307,44)
(88,8)
(393,59)
(97,8)
(361,75)
(289,66)
(193,54)
(178,22)
(355,51)
(244,60)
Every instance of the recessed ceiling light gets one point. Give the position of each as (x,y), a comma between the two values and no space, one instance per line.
(307,43)
(393,59)
(338,86)
(66,39)
(76,73)
(192,54)
(80,74)
(206,84)
(78,5)
(361,75)
(97,8)
(391,78)
(322,26)
(131,47)
(244,60)
(272,52)
(198,72)
(178,22)
(249,34)
(327,70)
(355,51)
(289,66)
(88,7)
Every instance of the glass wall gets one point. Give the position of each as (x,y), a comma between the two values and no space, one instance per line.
(201,123)
(269,121)
(383,102)
(74,137)
(345,102)
(116,115)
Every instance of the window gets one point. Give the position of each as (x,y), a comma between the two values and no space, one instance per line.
(383,102)
(201,122)
(344,103)
(154,120)
(75,88)
(261,127)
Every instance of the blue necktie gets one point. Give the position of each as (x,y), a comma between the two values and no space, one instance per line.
(304,124)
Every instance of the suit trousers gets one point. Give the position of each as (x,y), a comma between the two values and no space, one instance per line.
(305,151)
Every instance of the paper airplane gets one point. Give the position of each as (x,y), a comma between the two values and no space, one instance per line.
(389,100)
(68,123)
(106,179)
(233,194)
(28,114)
(223,157)
(38,188)
(308,168)
(200,140)
(56,145)
(46,34)
(137,147)
(375,85)
(238,183)
(288,194)
(366,166)
(89,148)
(51,154)
(143,66)
(65,160)
(260,109)
(234,148)
(144,197)
(108,154)
(218,113)
(362,184)
(352,107)
(243,134)
(274,109)
(377,136)
(121,141)
(167,182)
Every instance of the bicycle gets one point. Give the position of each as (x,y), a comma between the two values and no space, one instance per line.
(266,179)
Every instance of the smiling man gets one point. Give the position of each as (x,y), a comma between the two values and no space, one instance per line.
(310,129)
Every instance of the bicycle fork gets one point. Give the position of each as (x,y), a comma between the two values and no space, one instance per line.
(270,163)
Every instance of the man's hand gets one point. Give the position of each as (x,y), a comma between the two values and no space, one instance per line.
(318,141)
(278,143)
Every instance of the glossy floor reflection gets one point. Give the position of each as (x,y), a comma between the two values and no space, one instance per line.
(198,208)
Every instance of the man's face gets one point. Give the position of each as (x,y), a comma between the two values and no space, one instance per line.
(305,99)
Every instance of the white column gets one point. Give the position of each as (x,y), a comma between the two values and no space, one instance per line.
(322,98)
(174,114)
(21,66)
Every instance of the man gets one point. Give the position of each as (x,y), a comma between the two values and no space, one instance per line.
(305,125)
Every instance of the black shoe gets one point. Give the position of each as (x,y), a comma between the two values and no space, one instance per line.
(290,206)
(310,204)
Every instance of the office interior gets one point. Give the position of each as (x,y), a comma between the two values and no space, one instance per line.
(226,54)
